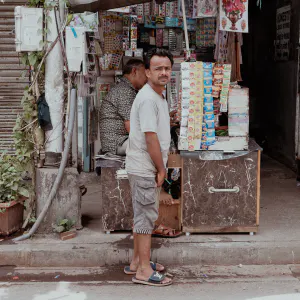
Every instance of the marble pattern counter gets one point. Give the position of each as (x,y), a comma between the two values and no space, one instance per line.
(117,211)
(226,211)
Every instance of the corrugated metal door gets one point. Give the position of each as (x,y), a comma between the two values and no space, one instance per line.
(11,83)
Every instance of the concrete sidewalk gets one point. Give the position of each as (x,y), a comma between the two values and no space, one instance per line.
(277,242)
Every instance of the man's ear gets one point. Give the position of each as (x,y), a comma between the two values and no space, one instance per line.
(133,71)
(147,73)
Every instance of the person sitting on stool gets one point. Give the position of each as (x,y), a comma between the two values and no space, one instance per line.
(116,107)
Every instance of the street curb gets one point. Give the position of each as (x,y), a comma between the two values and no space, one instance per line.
(107,254)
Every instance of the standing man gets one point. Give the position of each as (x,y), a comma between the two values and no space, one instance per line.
(147,155)
(116,107)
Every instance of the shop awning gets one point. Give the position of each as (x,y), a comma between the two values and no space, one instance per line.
(93,6)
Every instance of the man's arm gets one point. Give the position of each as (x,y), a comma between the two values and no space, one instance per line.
(153,148)
(124,107)
(127,125)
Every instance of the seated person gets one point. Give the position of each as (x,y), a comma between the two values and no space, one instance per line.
(116,107)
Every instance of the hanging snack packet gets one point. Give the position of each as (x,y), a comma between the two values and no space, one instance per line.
(207,65)
(209,108)
(216,91)
(183,131)
(208,90)
(207,82)
(211,133)
(227,67)
(207,73)
(210,141)
(210,123)
(208,99)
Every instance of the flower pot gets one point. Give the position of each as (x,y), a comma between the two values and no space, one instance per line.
(11,219)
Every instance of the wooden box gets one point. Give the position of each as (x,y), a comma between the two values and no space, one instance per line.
(221,195)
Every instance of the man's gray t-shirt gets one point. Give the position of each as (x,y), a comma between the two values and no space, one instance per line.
(149,113)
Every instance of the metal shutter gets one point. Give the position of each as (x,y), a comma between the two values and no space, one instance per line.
(11,84)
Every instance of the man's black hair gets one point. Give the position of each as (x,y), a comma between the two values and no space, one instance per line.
(157,52)
(131,64)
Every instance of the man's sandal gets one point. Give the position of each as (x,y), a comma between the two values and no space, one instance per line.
(127,270)
(155,279)
(166,232)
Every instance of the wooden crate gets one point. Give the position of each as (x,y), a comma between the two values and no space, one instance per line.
(170,215)
(174,161)
(206,212)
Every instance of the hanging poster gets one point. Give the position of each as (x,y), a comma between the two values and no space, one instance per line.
(234,15)
(87,20)
(283,24)
(205,9)
(124,10)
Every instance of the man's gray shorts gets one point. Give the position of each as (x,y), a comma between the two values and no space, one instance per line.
(145,201)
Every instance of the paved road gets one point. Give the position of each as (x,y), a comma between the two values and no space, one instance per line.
(205,283)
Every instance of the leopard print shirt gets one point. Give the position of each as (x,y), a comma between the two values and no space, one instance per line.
(115,109)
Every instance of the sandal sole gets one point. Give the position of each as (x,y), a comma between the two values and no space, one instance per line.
(134,280)
(167,236)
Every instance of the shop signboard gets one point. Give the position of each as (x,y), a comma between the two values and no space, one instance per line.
(283,24)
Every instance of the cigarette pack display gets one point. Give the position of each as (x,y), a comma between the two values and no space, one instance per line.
(238,116)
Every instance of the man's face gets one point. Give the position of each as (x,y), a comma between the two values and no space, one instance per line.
(160,70)
(140,77)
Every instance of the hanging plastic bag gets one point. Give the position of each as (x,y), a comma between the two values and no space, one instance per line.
(44,113)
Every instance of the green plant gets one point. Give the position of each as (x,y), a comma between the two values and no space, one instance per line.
(63,225)
(24,129)
(12,185)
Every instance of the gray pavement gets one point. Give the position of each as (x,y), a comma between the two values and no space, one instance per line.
(277,242)
(190,282)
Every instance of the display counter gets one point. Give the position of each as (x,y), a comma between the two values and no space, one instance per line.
(220,192)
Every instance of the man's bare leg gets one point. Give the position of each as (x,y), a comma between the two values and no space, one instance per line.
(135,258)
(144,250)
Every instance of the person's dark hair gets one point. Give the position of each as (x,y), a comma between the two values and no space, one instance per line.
(157,52)
(132,63)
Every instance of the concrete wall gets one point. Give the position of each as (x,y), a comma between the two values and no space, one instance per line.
(66,203)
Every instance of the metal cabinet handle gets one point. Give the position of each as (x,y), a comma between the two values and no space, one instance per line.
(212,190)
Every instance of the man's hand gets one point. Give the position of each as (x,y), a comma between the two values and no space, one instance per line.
(160,178)
(154,151)
(173,121)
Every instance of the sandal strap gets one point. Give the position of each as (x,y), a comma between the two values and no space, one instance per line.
(157,277)
(153,265)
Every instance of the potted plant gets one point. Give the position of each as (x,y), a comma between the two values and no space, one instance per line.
(13,192)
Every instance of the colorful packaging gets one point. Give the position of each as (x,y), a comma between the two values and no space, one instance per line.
(210,133)
(210,124)
(207,73)
(208,117)
(208,90)
(208,108)
(208,82)
(207,65)
(208,99)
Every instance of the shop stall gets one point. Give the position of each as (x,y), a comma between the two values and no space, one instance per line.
(214,169)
